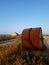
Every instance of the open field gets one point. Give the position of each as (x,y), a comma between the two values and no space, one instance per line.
(16,54)
(8,53)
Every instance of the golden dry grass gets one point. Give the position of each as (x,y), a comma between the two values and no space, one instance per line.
(15,54)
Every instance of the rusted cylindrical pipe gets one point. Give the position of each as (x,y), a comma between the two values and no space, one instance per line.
(32,38)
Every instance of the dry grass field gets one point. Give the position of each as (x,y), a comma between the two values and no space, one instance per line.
(16,54)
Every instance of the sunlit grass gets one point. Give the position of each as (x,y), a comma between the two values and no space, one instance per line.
(15,54)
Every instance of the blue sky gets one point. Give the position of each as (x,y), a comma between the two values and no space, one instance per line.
(15,15)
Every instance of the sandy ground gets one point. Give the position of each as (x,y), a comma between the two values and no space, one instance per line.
(46,41)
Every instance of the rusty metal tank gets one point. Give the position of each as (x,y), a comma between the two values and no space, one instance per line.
(32,38)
